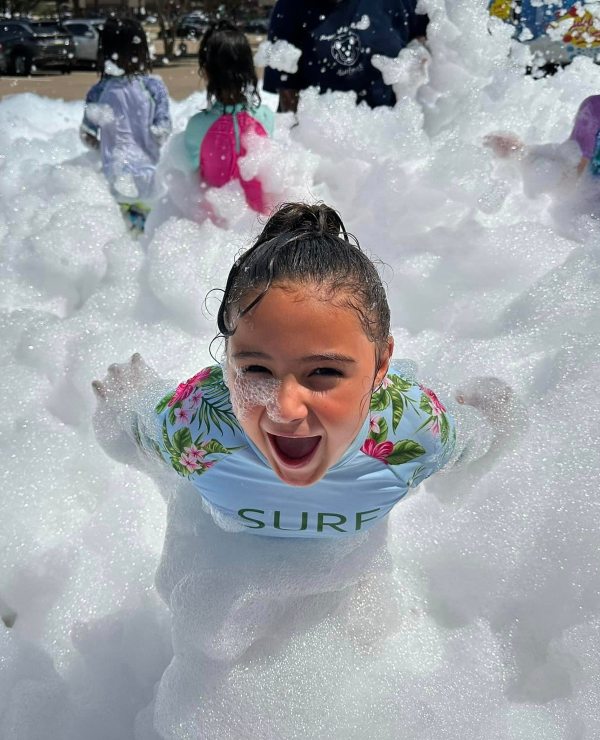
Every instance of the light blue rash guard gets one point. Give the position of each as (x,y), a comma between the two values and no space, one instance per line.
(130,117)
(407,436)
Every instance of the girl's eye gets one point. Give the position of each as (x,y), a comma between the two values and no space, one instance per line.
(325,372)
(254,369)
(323,379)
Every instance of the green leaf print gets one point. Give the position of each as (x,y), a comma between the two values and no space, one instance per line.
(425,405)
(382,434)
(156,450)
(137,434)
(380,400)
(404,451)
(166,440)
(215,408)
(414,478)
(178,467)
(397,407)
(162,405)
(213,447)
(400,383)
(444,428)
(182,439)
(216,375)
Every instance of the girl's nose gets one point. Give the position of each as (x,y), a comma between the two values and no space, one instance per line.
(291,402)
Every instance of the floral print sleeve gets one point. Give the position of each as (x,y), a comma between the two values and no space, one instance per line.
(195,425)
(410,429)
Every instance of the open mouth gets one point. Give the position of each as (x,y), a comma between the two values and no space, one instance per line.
(294,451)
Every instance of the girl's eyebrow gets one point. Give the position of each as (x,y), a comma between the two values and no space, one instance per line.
(326,357)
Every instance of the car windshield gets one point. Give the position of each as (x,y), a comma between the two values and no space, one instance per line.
(44,27)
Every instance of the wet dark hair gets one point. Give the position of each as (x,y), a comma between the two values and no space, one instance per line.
(308,244)
(123,42)
(225,57)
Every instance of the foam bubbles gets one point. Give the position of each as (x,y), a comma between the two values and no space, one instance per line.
(249,390)
(476,612)
(280,55)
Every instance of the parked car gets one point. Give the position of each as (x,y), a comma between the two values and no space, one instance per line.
(192,26)
(86,38)
(25,43)
(257,25)
(556,31)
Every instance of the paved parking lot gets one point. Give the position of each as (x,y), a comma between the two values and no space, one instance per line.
(180,76)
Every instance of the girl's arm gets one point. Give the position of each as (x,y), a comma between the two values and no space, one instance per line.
(544,167)
(140,419)
(125,421)
(411,425)
(161,123)
(89,131)
(491,419)
(584,133)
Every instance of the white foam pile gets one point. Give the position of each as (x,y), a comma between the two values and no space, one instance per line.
(484,620)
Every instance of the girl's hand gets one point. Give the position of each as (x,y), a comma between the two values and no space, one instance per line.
(160,133)
(90,141)
(122,380)
(7,615)
(121,397)
(503,410)
(504,144)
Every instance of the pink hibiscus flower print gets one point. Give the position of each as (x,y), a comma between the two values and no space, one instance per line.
(379,450)
(189,463)
(374,424)
(386,382)
(436,404)
(182,415)
(186,389)
(194,453)
(194,400)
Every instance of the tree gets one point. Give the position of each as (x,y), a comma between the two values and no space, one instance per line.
(169,13)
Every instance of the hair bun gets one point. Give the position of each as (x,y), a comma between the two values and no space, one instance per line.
(301,218)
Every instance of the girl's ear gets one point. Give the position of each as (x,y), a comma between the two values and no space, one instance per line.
(384,362)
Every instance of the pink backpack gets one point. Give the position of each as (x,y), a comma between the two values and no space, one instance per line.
(221,149)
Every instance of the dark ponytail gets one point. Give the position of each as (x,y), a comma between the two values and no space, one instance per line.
(307,244)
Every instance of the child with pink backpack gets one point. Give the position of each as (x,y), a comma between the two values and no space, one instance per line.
(216,138)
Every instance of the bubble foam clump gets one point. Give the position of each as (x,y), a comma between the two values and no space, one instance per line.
(250,391)
(474,614)
(280,55)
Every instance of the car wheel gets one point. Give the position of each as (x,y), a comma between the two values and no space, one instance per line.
(66,70)
(21,64)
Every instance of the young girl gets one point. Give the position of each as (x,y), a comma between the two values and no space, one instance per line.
(305,430)
(216,138)
(299,444)
(127,117)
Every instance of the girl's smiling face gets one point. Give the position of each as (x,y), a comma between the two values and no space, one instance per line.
(301,371)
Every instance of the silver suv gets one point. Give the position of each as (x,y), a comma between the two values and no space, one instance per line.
(86,37)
